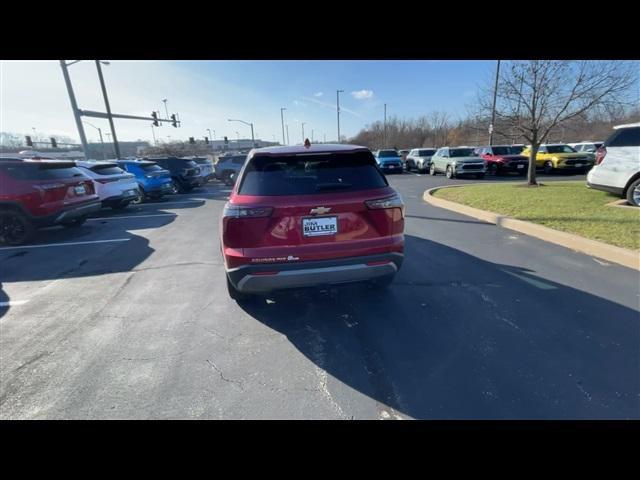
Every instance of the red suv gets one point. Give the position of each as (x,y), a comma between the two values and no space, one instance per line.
(39,193)
(310,215)
(502,159)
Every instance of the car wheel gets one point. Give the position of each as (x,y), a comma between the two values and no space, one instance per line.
(15,227)
(633,193)
(138,200)
(175,186)
(548,167)
(432,170)
(76,222)
(493,169)
(480,176)
(449,172)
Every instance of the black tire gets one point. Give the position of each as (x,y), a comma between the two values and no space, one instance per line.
(480,176)
(548,167)
(449,173)
(383,282)
(15,227)
(76,222)
(633,193)
(175,186)
(493,169)
(432,170)
(139,199)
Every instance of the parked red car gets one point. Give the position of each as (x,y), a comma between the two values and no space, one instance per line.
(39,193)
(310,215)
(503,159)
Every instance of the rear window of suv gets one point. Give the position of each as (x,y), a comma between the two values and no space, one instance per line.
(106,170)
(42,171)
(310,174)
(624,137)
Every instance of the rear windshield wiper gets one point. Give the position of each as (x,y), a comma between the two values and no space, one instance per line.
(332,186)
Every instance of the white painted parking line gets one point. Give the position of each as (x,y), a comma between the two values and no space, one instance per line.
(536,283)
(65,244)
(134,216)
(13,303)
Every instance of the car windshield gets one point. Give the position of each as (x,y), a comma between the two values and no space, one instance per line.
(560,149)
(151,167)
(461,152)
(106,170)
(387,153)
(310,174)
(426,153)
(502,150)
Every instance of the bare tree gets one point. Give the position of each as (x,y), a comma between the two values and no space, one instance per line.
(536,97)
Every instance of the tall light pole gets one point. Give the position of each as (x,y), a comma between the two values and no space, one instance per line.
(303,123)
(311,135)
(253,140)
(493,112)
(74,104)
(101,141)
(153,133)
(338,110)
(287,125)
(282,120)
(384,137)
(116,147)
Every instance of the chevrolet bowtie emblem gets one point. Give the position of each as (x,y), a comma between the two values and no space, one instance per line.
(320,210)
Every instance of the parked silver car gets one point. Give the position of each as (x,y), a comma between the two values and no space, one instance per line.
(419,159)
(225,165)
(457,162)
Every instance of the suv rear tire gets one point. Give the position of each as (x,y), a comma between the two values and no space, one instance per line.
(633,193)
(15,227)
(548,167)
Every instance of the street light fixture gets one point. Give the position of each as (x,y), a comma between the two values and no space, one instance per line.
(253,141)
(338,92)
(104,155)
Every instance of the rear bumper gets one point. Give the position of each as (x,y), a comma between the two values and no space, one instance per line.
(262,278)
(606,188)
(68,214)
(117,199)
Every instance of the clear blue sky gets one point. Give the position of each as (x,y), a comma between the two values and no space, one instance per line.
(207,93)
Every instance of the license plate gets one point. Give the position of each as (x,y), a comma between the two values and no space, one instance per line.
(80,190)
(392,166)
(520,166)
(314,227)
(578,164)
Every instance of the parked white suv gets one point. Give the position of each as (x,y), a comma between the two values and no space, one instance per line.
(617,167)
(115,187)
(586,146)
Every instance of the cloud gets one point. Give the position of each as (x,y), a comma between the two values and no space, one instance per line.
(362,94)
(299,104)
(317,94)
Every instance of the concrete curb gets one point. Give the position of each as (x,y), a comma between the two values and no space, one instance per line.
(611,253)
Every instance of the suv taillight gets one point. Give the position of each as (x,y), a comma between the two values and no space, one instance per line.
(235,211)
(600,154)
(394,201)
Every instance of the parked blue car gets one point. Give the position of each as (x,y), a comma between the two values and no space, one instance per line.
(153,180)
(389,160)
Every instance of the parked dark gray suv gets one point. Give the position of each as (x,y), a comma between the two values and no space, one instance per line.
(228,164)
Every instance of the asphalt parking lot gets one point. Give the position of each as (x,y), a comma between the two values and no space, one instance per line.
(128,317)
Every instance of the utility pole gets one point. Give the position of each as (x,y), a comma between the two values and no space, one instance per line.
(493,112)
(106,104)
(287,133)
(282,120)
(311,135)
(384,137)
(338,110)
(74,107)
(303,132)
(166,110)
(153,132)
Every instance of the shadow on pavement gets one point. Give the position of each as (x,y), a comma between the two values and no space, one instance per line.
(457,337)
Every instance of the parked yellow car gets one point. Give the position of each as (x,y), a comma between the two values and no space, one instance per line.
(560,157)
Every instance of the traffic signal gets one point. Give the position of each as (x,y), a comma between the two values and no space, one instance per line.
(192,140)
(174,122)
(53,143)
(206,140)
(155,119)
(29,141)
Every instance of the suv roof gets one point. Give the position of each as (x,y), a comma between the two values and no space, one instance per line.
(314,148)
